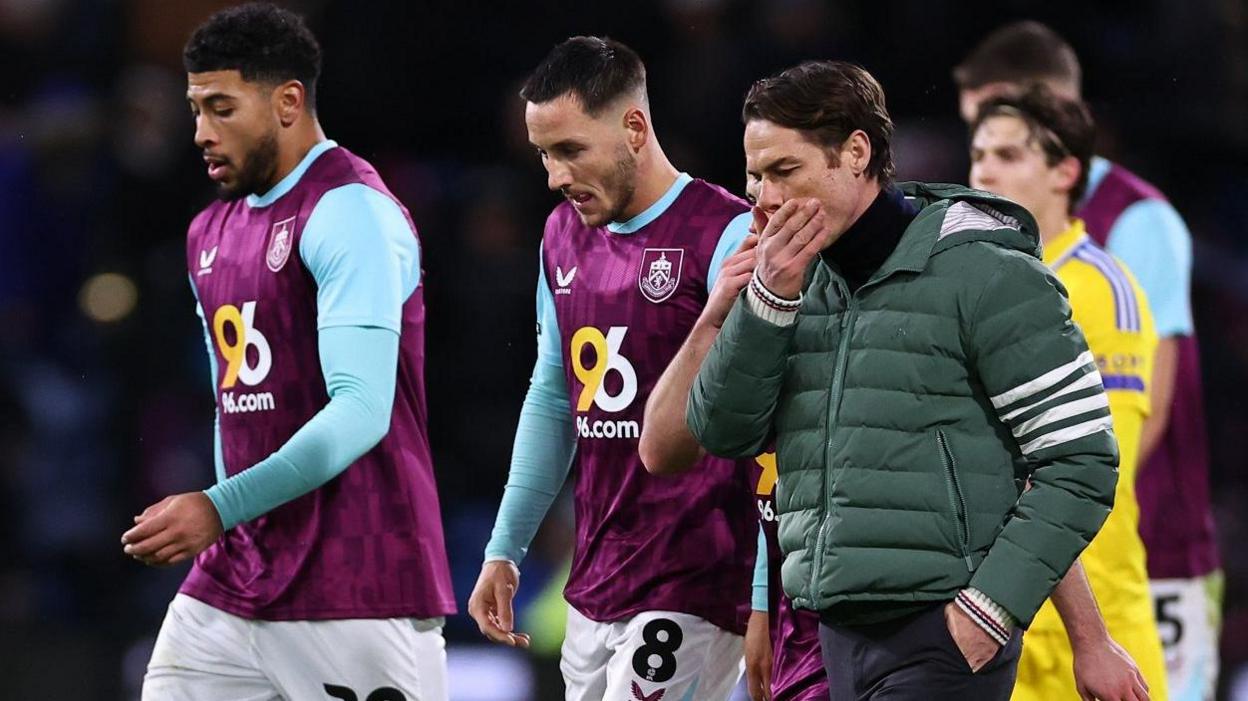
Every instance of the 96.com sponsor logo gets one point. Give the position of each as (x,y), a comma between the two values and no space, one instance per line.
(607,359)
(236,334)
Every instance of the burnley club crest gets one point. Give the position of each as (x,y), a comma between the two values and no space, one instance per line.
(660,272)
(280,239)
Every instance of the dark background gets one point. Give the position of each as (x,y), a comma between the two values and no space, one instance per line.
(105,403)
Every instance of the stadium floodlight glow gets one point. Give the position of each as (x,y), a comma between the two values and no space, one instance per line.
(108,297)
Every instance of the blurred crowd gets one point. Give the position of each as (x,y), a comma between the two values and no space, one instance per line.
(105,403)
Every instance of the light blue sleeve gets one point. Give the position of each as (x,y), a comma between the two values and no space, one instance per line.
(364,258)
(729,242)
(359,367)
(1151,238)
(366,261)
(545,442)
(758,601)
(218,462)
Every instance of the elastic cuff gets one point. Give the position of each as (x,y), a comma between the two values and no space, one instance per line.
(768,306)
(758,602)
(498,559)
(988,614)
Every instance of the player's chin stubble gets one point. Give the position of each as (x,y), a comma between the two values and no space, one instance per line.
(254,177)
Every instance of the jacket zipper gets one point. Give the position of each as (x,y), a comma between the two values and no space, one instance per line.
(956,498)
(834,410)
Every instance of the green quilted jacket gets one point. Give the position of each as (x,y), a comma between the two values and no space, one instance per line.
(909,416)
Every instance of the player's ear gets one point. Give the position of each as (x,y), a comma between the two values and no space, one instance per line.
(1066,173)
(856,152)
(638,127)
(289,98)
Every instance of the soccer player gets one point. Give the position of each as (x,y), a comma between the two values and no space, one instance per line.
(1035,150)
(660,579)
(790,657)
(782,657)
(320,569)
(1135,223)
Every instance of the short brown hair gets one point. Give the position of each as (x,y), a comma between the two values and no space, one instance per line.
(1061,127)
(596,70)
(1021,53)
(827,100)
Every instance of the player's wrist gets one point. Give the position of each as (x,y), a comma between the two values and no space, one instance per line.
(770,306)
(501,562)
(1085,635)
(220,506)
(212,509)
(987,614)
(705,329)
(779,290)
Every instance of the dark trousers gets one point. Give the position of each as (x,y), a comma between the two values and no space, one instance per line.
(912,658)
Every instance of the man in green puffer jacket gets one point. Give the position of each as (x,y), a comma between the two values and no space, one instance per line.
(943,439)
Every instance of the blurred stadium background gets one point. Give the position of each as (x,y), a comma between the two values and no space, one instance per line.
(104,398)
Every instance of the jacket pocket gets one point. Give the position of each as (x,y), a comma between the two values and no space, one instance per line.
(956,499)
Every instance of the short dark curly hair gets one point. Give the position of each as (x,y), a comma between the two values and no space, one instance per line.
(263,42)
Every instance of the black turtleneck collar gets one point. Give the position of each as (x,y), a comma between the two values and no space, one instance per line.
(868,242)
